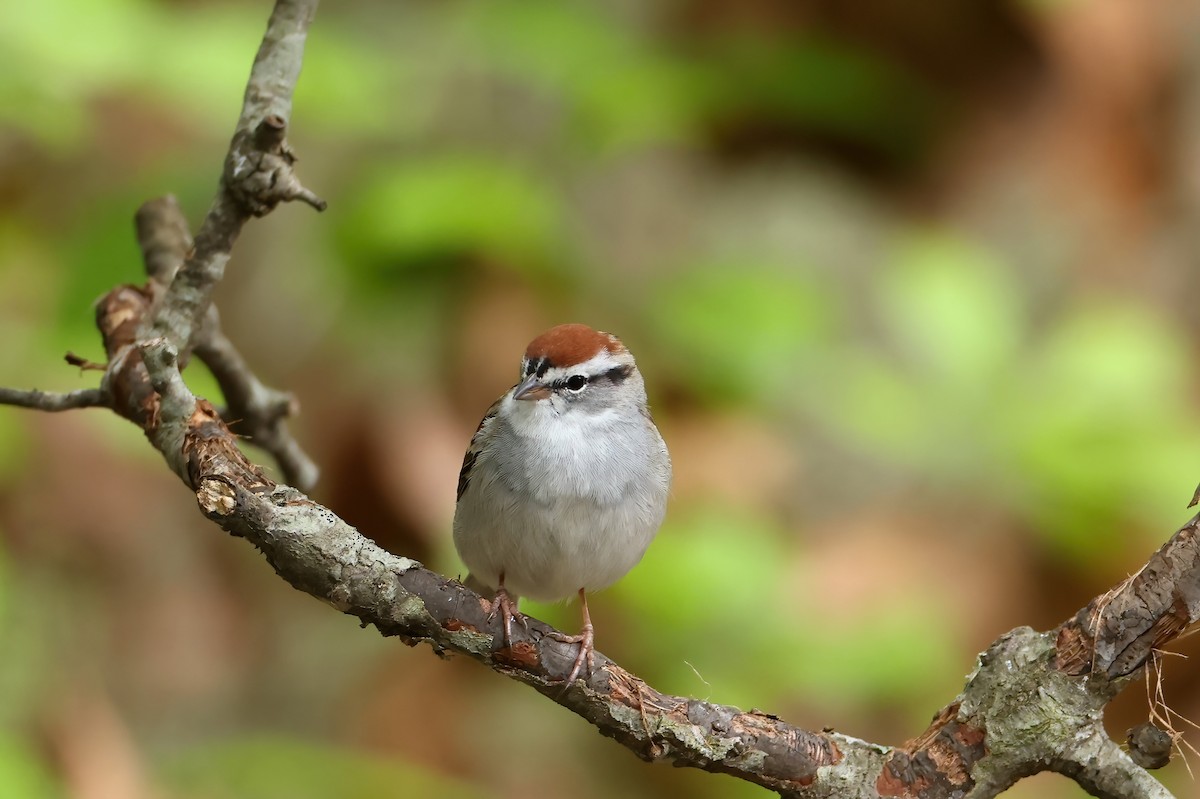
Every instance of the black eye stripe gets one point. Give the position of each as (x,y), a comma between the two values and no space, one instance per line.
(615,376)
(618,374)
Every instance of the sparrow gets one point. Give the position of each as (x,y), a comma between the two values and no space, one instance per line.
(565,481)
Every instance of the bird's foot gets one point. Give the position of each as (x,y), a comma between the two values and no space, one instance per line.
(507,607)
(586,640)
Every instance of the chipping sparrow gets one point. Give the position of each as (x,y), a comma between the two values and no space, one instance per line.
(565,482)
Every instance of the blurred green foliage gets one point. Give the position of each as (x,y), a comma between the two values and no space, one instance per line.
(59,57)
(453,205)
(746,332)
(1081,424)
(696,560)
(25,642)
(620,91)
(267,767)
(21,774)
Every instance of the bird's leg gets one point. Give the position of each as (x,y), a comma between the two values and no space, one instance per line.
(508,609)
(507,605)
(585,639)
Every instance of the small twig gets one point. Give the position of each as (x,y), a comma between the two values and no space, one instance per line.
(1101,768)
(1165,719)
(259,172)
(261,412)
(54,401)
(83,363)
(163,236)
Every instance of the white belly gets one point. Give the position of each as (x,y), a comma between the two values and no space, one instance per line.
(546,520)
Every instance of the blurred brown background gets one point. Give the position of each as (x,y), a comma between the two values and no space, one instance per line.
(912,285)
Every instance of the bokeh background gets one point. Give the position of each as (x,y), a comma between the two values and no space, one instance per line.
(913,286)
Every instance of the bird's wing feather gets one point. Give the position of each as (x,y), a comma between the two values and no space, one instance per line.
(476,446)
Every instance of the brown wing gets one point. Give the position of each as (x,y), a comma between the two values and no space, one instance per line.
(464,474)
(476,446)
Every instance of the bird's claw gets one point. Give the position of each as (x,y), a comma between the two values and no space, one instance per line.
(586,640)
(508,611)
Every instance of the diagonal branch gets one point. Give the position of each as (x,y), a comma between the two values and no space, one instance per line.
(1120,630)
(318,553)
(1019,713)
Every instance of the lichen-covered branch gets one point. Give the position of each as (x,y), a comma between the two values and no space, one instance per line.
(1019,713)
(1103,769)
(1046,692)
(319,554)
(1118,631)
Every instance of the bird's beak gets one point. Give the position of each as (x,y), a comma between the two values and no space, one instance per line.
(531,388)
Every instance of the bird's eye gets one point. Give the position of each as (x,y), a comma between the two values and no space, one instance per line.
(576,382)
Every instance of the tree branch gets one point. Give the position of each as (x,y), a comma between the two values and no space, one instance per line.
(253,410)
(257,175)
(163,237)
(1102,769)
(318,553)
(1117,632)
(1033,703)
(53,401)
(1019,713)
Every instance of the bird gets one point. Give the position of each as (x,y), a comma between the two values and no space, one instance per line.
(565,482)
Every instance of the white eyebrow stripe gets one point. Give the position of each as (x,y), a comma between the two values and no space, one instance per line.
(598,364)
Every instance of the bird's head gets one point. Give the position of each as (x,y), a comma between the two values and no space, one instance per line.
(573,366)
